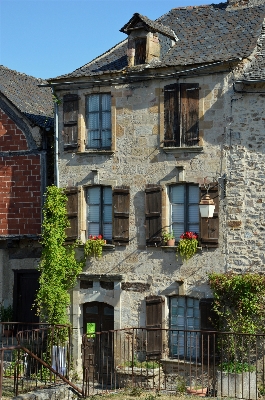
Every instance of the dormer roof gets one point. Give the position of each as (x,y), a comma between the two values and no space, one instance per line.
(140,21)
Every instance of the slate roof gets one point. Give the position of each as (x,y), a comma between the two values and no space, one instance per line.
(155,26)
(206,34)
(256,69)
(23,91)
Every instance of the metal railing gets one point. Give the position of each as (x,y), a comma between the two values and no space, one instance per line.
(34,358)
(176,361)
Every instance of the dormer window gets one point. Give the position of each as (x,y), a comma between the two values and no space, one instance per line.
(148,40)
(140,51)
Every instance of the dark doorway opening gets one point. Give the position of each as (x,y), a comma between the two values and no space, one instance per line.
(26,283)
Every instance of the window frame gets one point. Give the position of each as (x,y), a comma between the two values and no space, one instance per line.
(100,112)
(101,216)
(186,334)
(186,205)
(177,122)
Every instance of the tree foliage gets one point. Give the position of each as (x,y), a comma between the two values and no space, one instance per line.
(59,267)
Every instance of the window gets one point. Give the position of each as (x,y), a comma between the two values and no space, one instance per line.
(184,208)
(140,51)
(181,113)
(99,211)
(98,123)
(184,315)
(108,213)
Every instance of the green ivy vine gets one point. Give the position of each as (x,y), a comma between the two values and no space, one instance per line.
(59,267)
(239,302)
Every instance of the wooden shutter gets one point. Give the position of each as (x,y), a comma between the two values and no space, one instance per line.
(208,323)
(210,226)
(72,213)
(154,346)
(140,51)
(153,209)
(121,211)
(70,118)
(189,94)
(171,116)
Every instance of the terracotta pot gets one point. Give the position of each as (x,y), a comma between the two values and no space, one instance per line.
(171,242)
(201,392)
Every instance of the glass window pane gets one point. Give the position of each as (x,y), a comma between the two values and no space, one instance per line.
(94,139)
(108,310)
(107,213)
(107,231)
(194,194)
(106,102)
(106,120)
(107,195)
(178,213)
(93,102)
(193,215)
(106,139)
(93,213)
(177,194)
(93,195)
(93,229)
(92,310)
(93,121)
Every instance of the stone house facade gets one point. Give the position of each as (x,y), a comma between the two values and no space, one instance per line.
(145,130)
(26,167)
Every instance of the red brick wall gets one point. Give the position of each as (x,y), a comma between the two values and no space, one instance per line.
(11,137)
(20,195)
(20,183)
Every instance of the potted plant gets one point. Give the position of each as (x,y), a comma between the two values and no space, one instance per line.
(188,245)
(93,246)
(168,238)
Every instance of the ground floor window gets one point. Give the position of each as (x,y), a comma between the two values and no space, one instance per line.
(184,317)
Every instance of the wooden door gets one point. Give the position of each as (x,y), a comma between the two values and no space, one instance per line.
(98,317)
(26,284)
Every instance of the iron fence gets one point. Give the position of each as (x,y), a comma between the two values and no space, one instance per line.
(205,363)
(34,358)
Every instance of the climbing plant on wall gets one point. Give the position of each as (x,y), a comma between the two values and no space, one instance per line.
(239,302)
(59,267)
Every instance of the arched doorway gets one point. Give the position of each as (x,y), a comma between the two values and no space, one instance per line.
(99,317)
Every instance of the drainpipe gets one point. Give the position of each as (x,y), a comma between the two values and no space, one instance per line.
(56,142)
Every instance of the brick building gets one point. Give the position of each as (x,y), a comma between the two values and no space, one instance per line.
(26,167)
(144,130)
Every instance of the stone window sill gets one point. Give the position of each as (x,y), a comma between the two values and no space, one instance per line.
(96,152)
(177,150)
(169,248)
(108,247)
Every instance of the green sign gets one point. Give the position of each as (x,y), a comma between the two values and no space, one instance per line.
(91,329)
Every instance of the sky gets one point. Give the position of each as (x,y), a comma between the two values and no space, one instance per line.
(48,38)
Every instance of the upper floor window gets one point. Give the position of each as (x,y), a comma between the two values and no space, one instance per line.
(98,121)
(140,51)
(184,208)
(99,211)
(181,111)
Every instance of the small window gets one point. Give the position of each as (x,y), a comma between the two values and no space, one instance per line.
(99,211)
(184,208)
(181,113)
(140,51)
(184,318)
(98,123)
